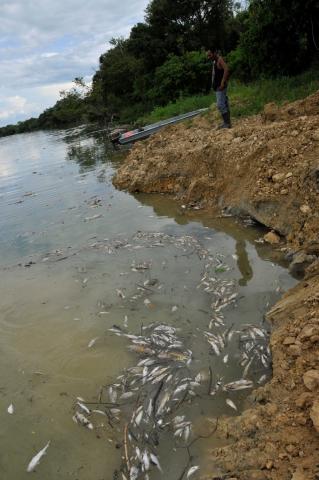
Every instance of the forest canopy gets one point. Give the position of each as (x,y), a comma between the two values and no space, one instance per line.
(164,57)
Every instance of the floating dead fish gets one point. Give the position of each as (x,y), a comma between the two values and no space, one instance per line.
(94,217)
(92,342)
(192,470)
(10,409)
(231,404)
(36,459)
(83,407)
(120,293)
(241,384)
(80,418)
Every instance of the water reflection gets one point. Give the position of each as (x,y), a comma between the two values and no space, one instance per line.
(241,233)
(243,263)
(51,311)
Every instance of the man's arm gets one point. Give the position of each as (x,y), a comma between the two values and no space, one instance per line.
(222,64)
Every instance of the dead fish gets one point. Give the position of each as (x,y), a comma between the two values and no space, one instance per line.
(238,385)
(192,470)
(36,459)
(126,395)
(92,342)
(112,395)
(163,403)
(84,407)
(120,293)
(100,412)
(231,404)
(11,409)
(134,473)
(146,460)
(88,219)
(225,359)
(138,418)
(80,418)
(155,461)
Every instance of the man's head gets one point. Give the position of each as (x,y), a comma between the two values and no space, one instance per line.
(212,54)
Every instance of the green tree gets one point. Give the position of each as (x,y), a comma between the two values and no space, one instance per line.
(277,40)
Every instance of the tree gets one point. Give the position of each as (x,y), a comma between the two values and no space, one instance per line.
(278,40)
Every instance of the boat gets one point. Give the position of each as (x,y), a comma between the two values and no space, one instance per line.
(144,132)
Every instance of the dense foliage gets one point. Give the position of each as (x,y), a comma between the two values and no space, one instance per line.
(164,59)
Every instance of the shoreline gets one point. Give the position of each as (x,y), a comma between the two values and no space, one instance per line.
(267,167)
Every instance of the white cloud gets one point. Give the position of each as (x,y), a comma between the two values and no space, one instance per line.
(45,44)
(13,106)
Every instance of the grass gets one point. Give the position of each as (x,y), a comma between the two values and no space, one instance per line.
(245,99)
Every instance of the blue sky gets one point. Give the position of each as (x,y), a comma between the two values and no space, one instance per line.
(45,44)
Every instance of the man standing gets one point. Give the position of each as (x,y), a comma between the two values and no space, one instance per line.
(220,79)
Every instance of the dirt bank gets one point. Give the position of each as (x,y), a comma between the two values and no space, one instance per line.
(266,166)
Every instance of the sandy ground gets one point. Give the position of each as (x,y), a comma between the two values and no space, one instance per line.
(266,166)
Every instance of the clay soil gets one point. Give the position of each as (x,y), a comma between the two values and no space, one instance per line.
(266,166)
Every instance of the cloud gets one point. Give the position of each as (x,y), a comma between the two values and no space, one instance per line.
(14,106)
(46,44)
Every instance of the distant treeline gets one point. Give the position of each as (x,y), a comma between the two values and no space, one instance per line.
(164,57)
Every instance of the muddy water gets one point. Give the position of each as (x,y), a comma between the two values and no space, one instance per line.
(71,250)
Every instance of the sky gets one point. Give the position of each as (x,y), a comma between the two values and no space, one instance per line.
(45,44)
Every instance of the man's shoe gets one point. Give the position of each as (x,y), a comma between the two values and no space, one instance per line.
(226,123)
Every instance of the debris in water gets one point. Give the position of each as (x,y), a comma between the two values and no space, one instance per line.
(11,409)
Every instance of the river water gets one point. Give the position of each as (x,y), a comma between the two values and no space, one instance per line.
(77,258)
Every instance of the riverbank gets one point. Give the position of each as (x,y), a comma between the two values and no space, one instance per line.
(266,167)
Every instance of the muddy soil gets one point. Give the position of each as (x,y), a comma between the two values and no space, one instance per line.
(266,166)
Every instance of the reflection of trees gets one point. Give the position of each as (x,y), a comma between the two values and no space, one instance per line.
(85,156)
(90,149)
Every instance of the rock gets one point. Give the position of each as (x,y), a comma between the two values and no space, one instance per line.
(314,414)
(305,209)
(315,135)
(299,475)
(308,331)
(290,448)
(269,464)
(294,350)
(314,339)
(304,400)
(272,238)
(278,177)
(289,341)
(270,112)
(284,191)
(311,379)
(300,262)
(289,174)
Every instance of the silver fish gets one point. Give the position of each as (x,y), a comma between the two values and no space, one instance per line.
(192,470)
(84,407)
(36,459)
(231,404)
(80,418)
(155,461)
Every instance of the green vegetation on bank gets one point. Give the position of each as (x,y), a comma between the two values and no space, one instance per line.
(245,98)
(162,66)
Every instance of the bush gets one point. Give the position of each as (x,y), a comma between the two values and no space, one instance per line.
(181,75)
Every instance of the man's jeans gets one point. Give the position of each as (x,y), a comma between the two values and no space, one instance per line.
(222,101)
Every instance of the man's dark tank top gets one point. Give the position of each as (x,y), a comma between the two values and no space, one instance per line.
(218,76)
